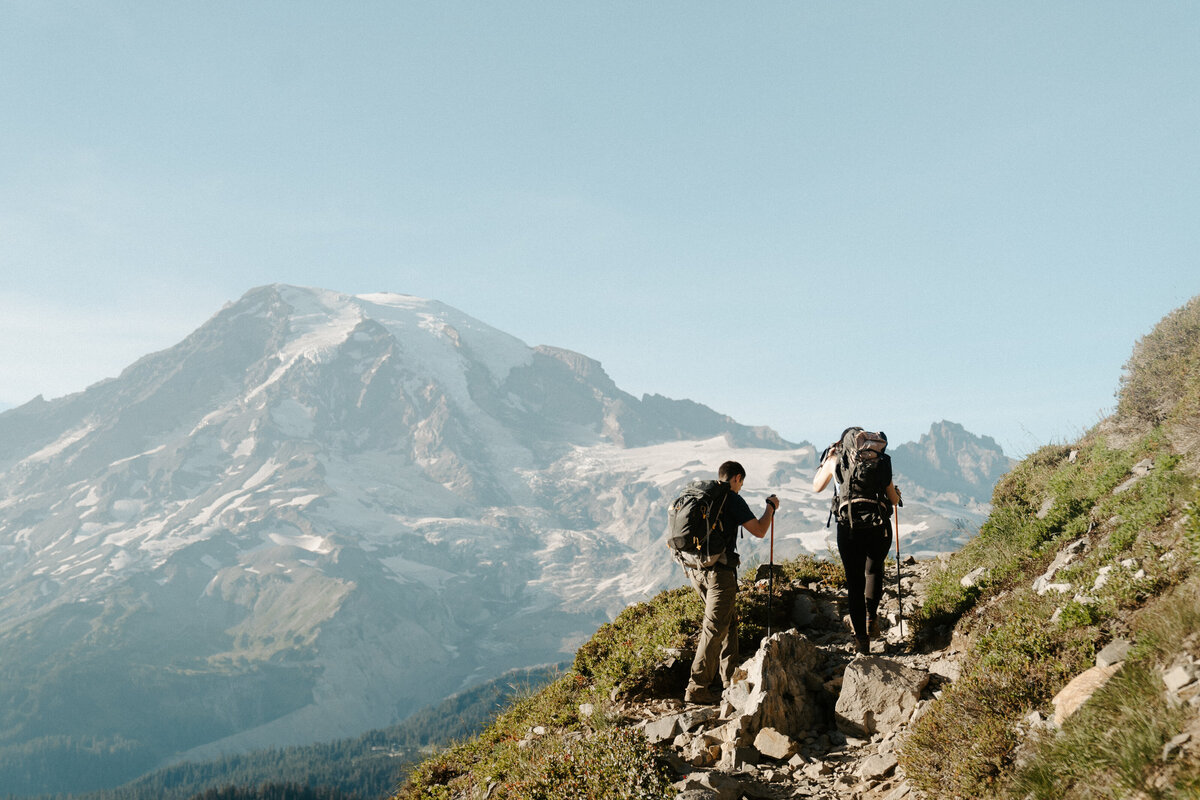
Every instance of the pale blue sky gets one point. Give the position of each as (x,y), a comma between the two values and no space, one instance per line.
(985,204)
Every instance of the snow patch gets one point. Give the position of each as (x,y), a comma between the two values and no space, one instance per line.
(158,449)
(259,478)
(121,561)
(146,528)
(205,516)
(60,444)
(313,544)
(88,530)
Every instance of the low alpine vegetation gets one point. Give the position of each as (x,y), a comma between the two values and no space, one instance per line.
(1086,543)
(564,742)
(1110,748)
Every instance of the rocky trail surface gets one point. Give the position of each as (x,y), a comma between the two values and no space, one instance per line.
(807,717)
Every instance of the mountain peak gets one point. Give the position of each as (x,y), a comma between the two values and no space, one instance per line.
(949,458)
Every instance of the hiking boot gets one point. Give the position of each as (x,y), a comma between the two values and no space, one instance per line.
(873,627)
(862,644)
(702,696)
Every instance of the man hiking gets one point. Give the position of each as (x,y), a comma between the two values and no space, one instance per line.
(863,501)
(717,583)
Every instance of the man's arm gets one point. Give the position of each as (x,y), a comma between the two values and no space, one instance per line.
(759,527)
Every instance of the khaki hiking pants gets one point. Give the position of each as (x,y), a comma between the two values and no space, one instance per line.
(718,643)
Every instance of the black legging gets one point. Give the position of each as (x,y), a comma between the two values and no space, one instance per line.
(863,551)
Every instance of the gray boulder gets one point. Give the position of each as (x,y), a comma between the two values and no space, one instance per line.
(878,696)
(776,688)
(1116,652)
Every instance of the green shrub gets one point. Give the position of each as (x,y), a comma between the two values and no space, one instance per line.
(1146,505)
(625,651)
(1162,377)
(1077,615)
(615,764)
(1191,528)
(1107,747)
(807,569)
(580,756)
(964,744)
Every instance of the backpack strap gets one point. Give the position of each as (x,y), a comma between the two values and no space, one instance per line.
(721,508)
(717,522)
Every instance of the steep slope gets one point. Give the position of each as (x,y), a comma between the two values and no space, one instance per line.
(1079,606)
(319,512)
(1056,656)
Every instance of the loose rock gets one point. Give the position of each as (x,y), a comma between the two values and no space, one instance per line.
(878,695)
(770,690)
(878,767)
(773,744)
(1180,676)
(1079,690)
(973,577)
(1115,652)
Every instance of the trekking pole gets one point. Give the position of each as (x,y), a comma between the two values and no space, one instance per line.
(899,589)
(771,576)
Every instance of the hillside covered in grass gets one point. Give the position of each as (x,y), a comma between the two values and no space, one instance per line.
(1119,513)
(1091,549)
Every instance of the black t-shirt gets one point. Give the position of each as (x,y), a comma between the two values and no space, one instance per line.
(735,513)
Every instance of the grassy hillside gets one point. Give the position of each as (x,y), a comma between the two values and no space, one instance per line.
(1129,490)
(1125,496)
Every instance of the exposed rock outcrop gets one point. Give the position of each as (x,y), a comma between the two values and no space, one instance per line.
(805,716)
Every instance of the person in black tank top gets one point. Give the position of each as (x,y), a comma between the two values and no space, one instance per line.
(863,550)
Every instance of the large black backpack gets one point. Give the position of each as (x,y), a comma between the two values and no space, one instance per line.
(863,473)
(696,534)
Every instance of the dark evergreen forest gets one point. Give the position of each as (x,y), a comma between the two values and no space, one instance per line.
(367,767)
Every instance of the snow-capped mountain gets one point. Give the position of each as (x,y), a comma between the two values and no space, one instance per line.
(318,513)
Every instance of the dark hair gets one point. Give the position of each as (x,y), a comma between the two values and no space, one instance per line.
(730,470)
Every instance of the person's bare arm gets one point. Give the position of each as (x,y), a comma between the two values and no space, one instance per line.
(821,479)
(759,527)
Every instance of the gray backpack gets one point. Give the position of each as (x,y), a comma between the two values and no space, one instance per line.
(863,473)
